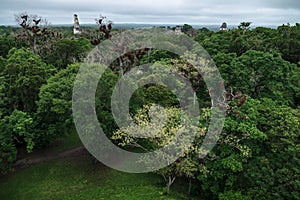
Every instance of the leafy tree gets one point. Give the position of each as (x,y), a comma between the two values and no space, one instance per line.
(202,34)
(7,43)
(288,43)
(261,39)
(232,195)
(2,64)
(15,129)
(54,118)
(67,51)
(273,169)
(160,95)
(216,42)
(7,30)
(220,169)
(54,109)
(104,93)
(156,55)
(260,74)
(185,166)
(224,60)
(251,157)
(24,74)
(240,41)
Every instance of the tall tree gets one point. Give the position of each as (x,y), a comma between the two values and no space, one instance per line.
(54,107)
(260,74)
(16,129)
(24,74)
(67,51)
(288,43)
(185,166)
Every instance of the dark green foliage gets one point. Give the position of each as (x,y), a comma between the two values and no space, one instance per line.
(153,94)
(54,114)
(203,33)
(15,129)
(288,42)
(259,75)
(285,39)
(7,30)
(6,43)
(2,63)
(257,154)
(104,92)
(274,169)
(215,43)
(233,195)
(67,51)
(157,55)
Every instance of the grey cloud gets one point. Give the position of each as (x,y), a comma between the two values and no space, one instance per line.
(163,11)
(282,4)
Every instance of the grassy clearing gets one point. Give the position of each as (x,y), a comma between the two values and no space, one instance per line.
(70,141)
(80,179)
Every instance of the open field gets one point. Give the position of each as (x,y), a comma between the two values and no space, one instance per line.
(75,175)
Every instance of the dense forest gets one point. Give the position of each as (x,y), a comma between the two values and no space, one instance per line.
(258,153)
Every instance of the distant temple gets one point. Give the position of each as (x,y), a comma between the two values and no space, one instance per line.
(178,30)
(223,27)
(77,30)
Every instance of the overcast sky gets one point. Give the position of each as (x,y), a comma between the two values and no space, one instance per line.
(200,12)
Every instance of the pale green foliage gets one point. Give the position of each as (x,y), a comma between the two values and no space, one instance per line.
(152,129)
(159,136)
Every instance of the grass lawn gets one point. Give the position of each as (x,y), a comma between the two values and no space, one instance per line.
(80,178)
(71,140)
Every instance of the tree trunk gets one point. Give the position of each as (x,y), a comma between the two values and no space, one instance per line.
(169,183)
(34,45)
(168,188)
(190,186)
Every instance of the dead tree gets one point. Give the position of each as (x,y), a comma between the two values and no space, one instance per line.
(35,31)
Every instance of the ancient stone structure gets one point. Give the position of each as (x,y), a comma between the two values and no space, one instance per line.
(77,30)
(178,30)
(223,27)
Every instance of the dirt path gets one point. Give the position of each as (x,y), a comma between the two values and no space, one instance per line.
(45,157)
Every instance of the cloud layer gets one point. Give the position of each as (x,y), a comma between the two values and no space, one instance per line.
(261,12)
